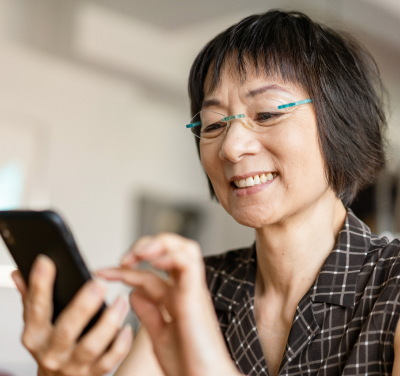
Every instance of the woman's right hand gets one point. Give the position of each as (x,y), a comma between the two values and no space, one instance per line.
(56,347)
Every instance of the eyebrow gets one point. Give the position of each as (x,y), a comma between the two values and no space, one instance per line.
(210,102)
(215,102)
(263,89)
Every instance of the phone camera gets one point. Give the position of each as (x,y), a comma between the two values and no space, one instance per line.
(6,233)
(8,237)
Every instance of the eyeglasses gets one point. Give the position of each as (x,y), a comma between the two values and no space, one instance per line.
(260,116)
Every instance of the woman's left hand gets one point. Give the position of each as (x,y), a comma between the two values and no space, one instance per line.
(177,312)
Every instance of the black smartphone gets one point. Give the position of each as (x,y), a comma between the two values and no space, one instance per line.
(28,233)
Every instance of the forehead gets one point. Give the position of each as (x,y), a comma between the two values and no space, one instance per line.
(249,83)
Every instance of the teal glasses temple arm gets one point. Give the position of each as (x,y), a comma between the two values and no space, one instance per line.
(192,125)
(294,104)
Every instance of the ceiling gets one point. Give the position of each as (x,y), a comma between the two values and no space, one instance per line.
(173,14)
(173,29)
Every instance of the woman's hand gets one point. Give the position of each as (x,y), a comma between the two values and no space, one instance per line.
(177,312)
(57,348)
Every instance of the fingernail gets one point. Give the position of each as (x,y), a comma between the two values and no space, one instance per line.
(41,261)
(126,258)
(14,275)
(101,272)
(16,278)
(127,332)
(148,248)
(120,305)
(96,289)
(44,257)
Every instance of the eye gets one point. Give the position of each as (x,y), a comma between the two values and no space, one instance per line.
(214,127)
(267,116)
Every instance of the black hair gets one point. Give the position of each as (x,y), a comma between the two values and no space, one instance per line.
(339,75)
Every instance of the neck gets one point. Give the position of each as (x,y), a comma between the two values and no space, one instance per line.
(291,253)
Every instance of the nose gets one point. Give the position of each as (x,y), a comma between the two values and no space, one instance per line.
(238,141)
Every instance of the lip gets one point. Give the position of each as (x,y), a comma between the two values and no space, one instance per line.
(250,174)
(242,192)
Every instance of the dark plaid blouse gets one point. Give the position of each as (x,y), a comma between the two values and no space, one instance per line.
(345,323)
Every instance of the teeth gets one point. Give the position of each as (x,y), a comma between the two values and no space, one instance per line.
(249,182)
(242,183)
(254,180)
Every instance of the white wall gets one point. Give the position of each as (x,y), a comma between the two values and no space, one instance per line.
(106,142)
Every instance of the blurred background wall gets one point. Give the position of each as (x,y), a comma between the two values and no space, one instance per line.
(93,104)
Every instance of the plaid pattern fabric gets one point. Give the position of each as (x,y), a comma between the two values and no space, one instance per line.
(344,324)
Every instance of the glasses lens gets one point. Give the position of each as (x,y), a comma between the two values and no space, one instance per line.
(260,116)
(264,114)
(208,124)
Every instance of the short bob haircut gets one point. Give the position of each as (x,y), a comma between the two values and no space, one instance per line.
(339,75)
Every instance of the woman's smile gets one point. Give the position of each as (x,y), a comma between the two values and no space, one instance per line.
(252,183)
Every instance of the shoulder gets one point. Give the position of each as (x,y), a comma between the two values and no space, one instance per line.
(382,267)
(231,264)
(378,283)
(383,259)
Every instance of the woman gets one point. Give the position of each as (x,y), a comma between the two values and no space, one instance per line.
(288,122)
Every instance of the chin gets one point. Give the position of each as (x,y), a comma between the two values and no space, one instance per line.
(250,218)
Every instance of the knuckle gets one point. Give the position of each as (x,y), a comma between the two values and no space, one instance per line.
(36,285)
(63,333)
(89,351)
(83,309)
(49,362)
(166,236)
(35,308)
(28,339)
(163,235)
(141,240)
(84,370)
(73,369)
(106,365)
(194,247)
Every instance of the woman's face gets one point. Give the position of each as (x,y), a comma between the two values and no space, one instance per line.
(289,150)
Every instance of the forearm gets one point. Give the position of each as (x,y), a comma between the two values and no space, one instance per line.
(140,359)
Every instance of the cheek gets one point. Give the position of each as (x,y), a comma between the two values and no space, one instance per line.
(298,155)
(210,161)
(212,164)
(207,160)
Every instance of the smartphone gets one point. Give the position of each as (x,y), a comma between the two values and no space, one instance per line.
(28,233)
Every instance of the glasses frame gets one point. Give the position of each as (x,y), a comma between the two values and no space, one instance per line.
(241,116)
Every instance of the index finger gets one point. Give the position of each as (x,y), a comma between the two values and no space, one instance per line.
(150,248)
(172,252)
(130,258)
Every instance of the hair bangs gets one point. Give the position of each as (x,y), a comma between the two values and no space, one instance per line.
(247,46)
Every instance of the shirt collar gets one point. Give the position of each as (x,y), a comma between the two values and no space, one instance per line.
(336,282)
